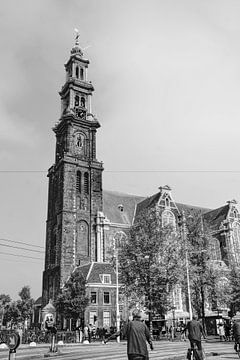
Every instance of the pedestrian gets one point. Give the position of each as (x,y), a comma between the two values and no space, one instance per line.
(137,334)
(227,329)
(195,332)
(221,331)
(85,334)
(236,333)
(183,331)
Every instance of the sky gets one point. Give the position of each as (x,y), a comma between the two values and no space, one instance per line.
(166,75)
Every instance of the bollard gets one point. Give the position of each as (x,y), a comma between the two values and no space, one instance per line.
(12,355)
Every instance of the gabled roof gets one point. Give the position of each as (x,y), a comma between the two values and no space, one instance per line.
(96,269)
(84,269)
(216,216)
(153,200)
(147,203)
(191,208)
(38,301)
(113,202)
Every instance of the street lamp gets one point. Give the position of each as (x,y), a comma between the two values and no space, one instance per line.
(116,244)
(184,237)
(147,257)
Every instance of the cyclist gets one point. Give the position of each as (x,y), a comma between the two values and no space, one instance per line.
(236,334)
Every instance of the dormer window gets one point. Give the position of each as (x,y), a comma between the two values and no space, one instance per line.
(106,279)
(120,207)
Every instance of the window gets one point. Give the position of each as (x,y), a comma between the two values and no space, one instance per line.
(236,241)
(79,140)
(92,317)
(82,101)
(167,202)
(78,181)
(86,183)
(106,318)
(168,218)
(93,297)
(106,279)
(106,297)
(77,72)
(76,101)
(81,73)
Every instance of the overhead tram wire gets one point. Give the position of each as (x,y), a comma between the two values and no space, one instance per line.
(21,242)
(22,248)
(135,171)
(24,256)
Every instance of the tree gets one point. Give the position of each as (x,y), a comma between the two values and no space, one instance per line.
(202,276)
(25,305)
(4,300)
(151,262)
(11,314)
(72,301)
(235,290)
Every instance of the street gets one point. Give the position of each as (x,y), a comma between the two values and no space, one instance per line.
(115,351)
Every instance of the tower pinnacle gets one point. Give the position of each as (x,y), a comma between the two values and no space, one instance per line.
(76,49)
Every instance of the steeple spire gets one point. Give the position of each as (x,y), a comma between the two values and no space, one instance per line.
(76,49)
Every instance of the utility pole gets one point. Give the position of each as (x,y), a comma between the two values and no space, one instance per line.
(184,236)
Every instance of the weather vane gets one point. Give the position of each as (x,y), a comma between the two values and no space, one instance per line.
(77,36)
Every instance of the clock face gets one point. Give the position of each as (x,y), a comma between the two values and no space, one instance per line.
(81,114)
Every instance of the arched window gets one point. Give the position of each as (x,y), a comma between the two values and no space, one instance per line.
(168,218)
(76,102)
(79,140)
(236,241)
(86,183)
(82,241)
(81,73)
(77,72)
(53,250)
(82,101)
(215,251)
(78,181)
(167,202)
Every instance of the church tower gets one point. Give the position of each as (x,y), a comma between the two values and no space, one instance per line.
(75,181)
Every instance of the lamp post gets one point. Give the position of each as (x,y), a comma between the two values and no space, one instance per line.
(147,257)
(117,298)
(116,244)
(184,236)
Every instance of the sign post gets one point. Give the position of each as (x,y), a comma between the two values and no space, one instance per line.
(13,342)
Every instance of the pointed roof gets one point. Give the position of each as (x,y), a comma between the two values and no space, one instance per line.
(95,270)
(120,208)
(215,217)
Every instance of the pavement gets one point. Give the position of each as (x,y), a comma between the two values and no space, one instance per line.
(163,350)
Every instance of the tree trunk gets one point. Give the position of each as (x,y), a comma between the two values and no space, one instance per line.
(203,308)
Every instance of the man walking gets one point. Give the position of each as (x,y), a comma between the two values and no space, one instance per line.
(137,334)
(195,331)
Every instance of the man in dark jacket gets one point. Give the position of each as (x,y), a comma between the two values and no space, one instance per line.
(236,333)
(195,331)
(137,335)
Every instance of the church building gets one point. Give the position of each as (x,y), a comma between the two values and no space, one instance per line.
(83,220)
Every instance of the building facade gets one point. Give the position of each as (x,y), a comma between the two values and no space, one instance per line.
(84,222)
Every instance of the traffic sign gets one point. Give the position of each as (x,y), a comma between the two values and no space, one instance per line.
(13,341)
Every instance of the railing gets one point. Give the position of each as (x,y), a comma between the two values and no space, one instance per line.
(40,337)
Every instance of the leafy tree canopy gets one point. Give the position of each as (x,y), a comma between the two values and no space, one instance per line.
(72,301)
(151,260)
